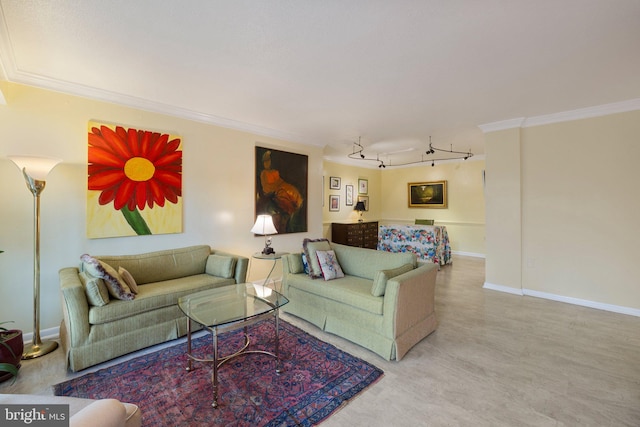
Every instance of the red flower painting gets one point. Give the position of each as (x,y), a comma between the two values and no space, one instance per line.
(134,169)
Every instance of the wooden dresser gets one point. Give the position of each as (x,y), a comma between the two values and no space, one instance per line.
(360,234)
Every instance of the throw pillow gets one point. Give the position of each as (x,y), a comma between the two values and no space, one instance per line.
(221,266)
(382,276)
(95,289)
(305,264)
(128,279)
(295,263)
(310,247)
(115,284)
(329,264)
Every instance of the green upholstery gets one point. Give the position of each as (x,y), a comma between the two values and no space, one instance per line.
(383,276)
(424,222)
(91,334)
(389,324)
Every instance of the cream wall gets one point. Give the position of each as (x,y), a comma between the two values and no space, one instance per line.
(580,209)
(465,214)
(349,175)
(464,217)
(503,266)
(579,200)
(218,193)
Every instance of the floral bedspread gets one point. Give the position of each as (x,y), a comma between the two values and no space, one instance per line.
(429,243)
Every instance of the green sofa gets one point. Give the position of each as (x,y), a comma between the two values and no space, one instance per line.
(92,334)
(385,301)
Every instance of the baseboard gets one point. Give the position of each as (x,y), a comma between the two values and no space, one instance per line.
(502,288)
(585,303)
(560,298)
(471,254)
(45,335)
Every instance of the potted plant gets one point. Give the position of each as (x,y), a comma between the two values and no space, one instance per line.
(11,347)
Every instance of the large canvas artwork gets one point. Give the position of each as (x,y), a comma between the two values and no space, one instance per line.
(281,188)
(134,182)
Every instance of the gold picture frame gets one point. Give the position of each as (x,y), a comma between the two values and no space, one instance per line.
(431,194)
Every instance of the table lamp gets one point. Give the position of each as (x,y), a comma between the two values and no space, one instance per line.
(264,226)
(360,208)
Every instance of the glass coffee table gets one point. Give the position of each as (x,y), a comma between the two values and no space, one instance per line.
(227,308)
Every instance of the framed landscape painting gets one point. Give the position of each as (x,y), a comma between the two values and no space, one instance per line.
(427,194)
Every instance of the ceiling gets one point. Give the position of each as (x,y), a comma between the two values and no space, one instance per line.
(392,73)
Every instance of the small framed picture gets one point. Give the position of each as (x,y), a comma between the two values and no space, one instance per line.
(363,186)
(365,200)
(334,203)
(348,196)
(334,183)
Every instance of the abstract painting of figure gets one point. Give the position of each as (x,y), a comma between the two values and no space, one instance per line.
(134,182)
(281,188)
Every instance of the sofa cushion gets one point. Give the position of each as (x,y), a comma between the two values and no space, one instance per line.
(221,266)
(365,263)
(116,286)
(296,264)
(350,290)
(381,277)
(95,289)
(155,295)
(310,246)
(128,279)
(329,265)
(162,265)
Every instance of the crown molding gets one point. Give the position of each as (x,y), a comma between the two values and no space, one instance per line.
(502,125)
(584,113)
(10,72)
(147,105)
(564,116)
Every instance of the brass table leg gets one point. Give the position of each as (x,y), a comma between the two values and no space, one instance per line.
(214,374)
(189,359)
(278,365)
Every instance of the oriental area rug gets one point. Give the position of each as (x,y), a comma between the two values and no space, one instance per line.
(318,379)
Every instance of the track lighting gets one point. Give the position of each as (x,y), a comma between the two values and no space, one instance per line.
(358,154)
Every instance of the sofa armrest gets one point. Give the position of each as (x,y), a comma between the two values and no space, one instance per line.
(75,307)
(409,299)
(291,264)
(242,263)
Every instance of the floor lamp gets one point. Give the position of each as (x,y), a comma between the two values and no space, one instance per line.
(35,171)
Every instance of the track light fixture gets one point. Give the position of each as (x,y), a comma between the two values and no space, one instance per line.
(358,154)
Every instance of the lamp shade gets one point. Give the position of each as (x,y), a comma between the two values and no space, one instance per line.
(359,207)
(36,167)
(264,225)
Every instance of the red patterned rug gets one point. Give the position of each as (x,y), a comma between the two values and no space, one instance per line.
(318,379)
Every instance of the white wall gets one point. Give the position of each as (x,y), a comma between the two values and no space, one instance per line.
(218,193)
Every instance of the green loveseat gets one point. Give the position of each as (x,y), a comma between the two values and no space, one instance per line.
(92,334)
(385,301)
